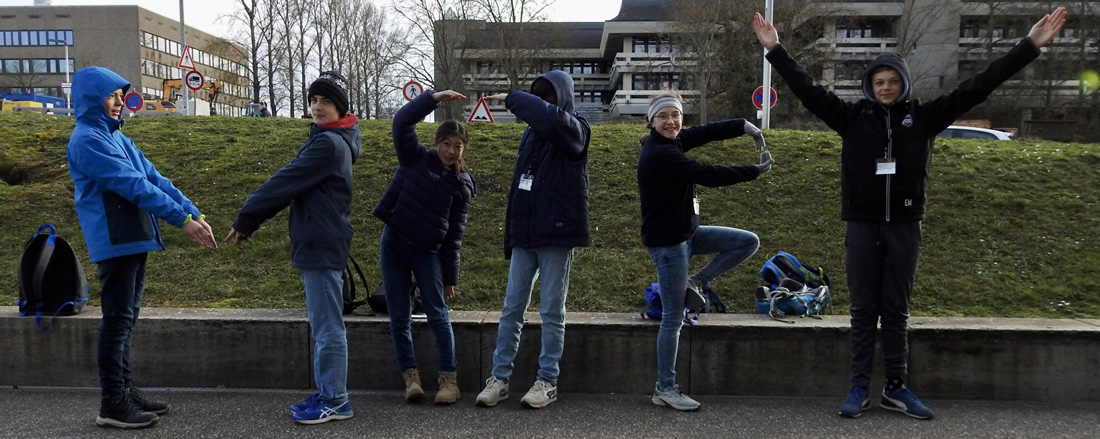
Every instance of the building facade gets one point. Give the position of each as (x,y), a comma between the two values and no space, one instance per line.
(139,45)
(620,64)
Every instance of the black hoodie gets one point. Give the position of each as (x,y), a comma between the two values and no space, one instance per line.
(902,132)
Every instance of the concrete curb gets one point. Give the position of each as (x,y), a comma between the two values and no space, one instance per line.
(1013,359)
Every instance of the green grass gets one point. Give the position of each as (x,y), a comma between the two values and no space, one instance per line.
(1012,226)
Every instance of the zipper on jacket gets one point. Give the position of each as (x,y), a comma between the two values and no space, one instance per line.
(889,155)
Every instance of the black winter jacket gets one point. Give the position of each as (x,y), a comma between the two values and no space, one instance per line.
(554,151)
(667,179)
(903,132)
(426,203)
(317,185)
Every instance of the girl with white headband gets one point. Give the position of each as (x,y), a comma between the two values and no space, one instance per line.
(670,223)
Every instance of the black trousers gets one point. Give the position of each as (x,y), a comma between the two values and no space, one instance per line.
(123,282)
(881,261)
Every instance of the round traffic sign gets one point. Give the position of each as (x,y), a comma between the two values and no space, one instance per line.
(411,90)
(194,80)
(134,101)
(758,98)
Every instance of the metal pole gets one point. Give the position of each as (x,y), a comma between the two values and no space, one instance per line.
(766,98)
(68,95)
(183,74)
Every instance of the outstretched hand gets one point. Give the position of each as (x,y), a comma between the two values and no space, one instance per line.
(757,136)
(497,97)
(201,233)
(447,96)
(765,32)
(236,237)
(1047,28)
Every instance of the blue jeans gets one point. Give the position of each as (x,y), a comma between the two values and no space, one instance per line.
(733,246)
(123,282)
(398,259)
(552,264)
(325,304)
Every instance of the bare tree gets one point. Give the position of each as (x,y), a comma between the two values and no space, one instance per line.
(441,26)
(248,16)
(515,45)
(693,42)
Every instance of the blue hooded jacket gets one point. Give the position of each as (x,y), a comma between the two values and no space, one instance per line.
(317,185)
(554,153)
(118,193)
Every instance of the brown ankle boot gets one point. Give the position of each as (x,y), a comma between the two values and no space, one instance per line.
(448,388)
(413,390)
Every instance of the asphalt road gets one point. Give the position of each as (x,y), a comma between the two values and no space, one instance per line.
(237,413)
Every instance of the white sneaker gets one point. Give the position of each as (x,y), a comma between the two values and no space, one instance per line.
(540,395)
(496,390)
(672,397)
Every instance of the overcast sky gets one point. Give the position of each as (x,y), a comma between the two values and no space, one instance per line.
(203,14)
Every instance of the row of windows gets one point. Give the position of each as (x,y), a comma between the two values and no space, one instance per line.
(158,70)
(36,38)
(38,65)
(578,96)
(658,81)
(579,67)
(152,93)
(166,45)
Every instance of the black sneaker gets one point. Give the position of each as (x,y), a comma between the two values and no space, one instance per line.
(120,412)
(693,297)
(145,404)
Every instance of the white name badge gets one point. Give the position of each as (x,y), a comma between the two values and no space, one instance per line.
(886,167)
(525,182)
(696,201)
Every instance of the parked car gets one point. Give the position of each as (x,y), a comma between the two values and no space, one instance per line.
(963,132)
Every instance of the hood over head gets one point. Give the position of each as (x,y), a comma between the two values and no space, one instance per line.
(563,86)
(893,61)
(91,86)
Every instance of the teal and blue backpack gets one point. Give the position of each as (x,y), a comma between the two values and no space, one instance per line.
(795,289)
(785,266)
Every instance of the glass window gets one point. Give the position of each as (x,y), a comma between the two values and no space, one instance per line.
(33,38)
(639,44)
(5,38)
(24,38)
(842,32)
(42,40)
(68,38)
(39,66)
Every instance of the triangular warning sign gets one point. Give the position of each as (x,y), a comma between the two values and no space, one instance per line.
(481,113)
(186,61)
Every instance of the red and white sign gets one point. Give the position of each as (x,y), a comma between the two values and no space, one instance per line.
(758,98)
(186,62)
(481,113)
(194,80)
(133,101)
(411,90)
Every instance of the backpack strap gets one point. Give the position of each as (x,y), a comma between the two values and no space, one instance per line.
(40,274)
(356,303)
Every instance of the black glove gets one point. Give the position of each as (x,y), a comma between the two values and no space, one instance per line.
(765,162)
(757,135)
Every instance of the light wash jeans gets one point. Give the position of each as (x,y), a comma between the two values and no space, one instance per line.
(552,264)
(733,247)
(325,303)
(398,259)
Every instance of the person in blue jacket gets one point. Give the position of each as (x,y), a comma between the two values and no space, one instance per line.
(424,209)
(119,195)
(317,185)
(885,155)
(547,218)
(671,230)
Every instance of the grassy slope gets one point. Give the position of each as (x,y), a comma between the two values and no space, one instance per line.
(1011,231)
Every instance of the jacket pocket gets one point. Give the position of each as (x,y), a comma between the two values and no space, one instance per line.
(126,222)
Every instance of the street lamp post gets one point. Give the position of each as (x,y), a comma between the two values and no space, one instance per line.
(68,93)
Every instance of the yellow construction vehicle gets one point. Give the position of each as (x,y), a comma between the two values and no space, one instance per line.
(172,92)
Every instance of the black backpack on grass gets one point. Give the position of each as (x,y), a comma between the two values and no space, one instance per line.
(51,278)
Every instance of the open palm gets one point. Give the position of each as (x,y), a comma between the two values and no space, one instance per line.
(1047,28)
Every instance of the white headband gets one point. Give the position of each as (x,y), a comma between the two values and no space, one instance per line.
(662,102)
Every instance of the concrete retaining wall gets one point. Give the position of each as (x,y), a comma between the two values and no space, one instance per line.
(1014,359)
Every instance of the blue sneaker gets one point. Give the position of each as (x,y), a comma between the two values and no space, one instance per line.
(902,400)
(300,406)
(859,399)
(322,411)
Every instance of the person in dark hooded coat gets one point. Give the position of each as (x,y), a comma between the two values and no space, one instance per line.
(547,218)
(317,185)
(887,148)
